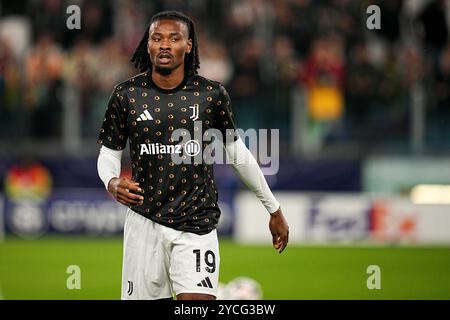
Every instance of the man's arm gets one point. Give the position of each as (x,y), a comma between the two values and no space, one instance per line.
(248,170)
(108,166)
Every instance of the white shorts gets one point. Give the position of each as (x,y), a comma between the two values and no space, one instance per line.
(159,261)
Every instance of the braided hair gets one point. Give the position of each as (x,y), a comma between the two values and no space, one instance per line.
(141,58)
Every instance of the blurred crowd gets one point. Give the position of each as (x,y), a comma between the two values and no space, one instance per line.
(356,85)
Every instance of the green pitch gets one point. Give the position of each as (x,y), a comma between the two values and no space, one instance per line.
(37,270)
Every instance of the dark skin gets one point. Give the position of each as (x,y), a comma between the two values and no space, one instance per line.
(167,46)
(280,230)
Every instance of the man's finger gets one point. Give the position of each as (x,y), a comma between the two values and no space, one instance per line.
(282,247)
(284,242)
(129,200)
(127,194)
(134,196)
(123,202)
(274,239)
(134,187)
(278,243)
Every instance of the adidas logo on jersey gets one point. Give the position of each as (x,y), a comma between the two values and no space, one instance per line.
(205,283)
(145,116)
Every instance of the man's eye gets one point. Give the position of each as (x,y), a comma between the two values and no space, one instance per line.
(175,39)
(156,39)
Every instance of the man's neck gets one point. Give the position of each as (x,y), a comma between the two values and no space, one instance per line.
(168,81)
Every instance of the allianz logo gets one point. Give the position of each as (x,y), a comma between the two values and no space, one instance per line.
(190,148)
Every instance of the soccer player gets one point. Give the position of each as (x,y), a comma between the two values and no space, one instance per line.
(170,238)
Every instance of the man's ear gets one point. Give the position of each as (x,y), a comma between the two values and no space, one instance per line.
(189,47)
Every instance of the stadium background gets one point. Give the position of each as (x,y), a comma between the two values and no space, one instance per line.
(364,143)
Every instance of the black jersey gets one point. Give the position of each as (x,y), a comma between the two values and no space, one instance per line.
(181,196)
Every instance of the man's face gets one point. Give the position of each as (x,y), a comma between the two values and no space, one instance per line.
(168,44)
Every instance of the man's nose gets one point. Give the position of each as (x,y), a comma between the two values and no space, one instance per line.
(165,44)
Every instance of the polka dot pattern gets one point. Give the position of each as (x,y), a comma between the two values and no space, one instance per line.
(181,196)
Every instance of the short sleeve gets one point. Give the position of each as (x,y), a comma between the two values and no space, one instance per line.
(114,131)
(223,119)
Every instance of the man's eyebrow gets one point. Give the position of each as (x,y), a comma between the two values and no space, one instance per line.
(170,34)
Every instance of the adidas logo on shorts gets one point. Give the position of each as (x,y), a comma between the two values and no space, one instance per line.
(205,283)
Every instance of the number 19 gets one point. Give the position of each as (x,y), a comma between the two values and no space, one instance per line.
(210,260)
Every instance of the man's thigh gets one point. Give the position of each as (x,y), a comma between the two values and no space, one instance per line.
(145,272)
(194,264)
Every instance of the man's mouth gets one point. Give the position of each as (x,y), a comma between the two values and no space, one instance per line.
(164,58)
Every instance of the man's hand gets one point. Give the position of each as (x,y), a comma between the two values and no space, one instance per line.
(279,230)
(121,189)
